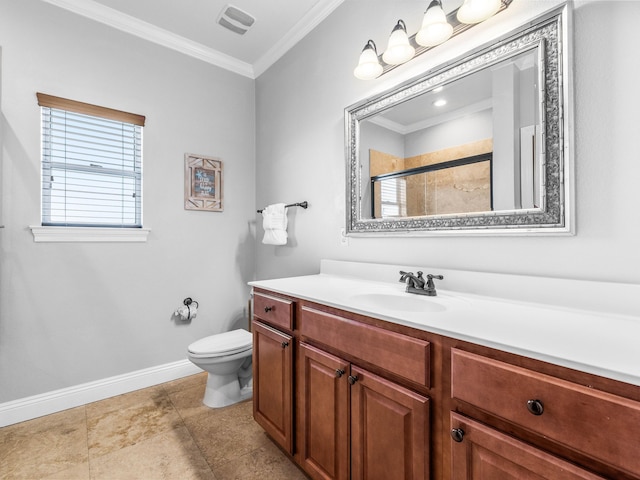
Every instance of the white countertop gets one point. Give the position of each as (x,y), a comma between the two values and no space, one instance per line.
(591,340)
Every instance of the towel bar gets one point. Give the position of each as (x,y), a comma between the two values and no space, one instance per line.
(300,204)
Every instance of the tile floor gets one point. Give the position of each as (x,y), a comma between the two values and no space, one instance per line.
(162,432)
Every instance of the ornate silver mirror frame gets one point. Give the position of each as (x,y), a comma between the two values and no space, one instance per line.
(549,37)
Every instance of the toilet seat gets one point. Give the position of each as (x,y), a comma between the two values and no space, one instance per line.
(222,344)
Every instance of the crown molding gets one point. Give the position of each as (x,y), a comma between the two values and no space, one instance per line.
(310,21)
(127,23)
(134,26)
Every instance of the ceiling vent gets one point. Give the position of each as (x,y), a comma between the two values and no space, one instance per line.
(235,19)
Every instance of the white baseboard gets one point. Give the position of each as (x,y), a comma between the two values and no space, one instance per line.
(63,399)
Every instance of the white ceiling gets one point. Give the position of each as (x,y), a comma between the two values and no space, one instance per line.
(190,26)
(466,95)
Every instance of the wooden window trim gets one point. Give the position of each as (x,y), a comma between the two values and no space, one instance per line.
(50,101)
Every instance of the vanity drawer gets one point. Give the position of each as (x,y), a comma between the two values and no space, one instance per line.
(598,424)
(397,353)
(274,310)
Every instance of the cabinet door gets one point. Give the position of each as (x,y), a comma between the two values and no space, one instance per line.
(485,453)
(324,407)
(272,383)
(389,430)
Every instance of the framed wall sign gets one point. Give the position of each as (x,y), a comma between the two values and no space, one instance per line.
(202,183)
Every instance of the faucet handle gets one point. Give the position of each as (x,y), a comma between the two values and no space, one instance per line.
(430,287)
(403,276)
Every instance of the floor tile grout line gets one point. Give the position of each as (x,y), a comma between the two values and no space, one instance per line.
(86,425)
(195,442)
(202,453)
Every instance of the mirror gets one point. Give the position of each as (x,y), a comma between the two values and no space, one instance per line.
(474,147)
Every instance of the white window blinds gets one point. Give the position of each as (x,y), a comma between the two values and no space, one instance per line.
(393,195)
(91,165)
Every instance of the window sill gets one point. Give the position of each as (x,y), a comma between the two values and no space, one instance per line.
(88,234)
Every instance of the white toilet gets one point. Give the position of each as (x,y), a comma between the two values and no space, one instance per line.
(227,358)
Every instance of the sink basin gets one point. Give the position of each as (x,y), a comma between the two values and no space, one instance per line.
(404,302)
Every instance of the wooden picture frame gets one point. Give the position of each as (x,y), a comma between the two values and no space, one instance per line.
(203,182)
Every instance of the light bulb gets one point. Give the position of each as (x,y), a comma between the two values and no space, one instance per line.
(476,11)
(368,66)
(398,50)
(435,28)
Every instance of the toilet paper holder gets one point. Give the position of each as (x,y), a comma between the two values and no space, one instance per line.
(188,302)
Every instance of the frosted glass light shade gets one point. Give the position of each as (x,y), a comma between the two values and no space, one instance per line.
(368,66)
(435,28)
(476,11)
(398,49)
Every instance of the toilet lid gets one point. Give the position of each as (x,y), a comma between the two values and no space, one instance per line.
(226,343)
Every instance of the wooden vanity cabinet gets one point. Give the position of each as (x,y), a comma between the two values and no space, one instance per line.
(390,428)
(273,383)
(533,424)
(358,425)
(273,310)
(273,368)
(483,453)
(351,397)
(355,423)
(323,401)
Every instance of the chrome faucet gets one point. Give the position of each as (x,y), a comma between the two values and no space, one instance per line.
(418,285)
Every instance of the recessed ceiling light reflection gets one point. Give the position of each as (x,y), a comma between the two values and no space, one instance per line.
(441,102)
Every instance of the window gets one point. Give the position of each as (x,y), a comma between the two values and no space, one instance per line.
(393,194)
(91,165)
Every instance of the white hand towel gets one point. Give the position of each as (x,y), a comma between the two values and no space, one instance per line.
(274,222)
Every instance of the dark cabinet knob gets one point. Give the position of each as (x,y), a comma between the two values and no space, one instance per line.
(353,379)
(457,434)
(267,309)
(339,372)
(284,344)
(535,407)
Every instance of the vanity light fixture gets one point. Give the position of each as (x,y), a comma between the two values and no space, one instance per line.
(399,50)
(476,11)
(437,27)
(368,67)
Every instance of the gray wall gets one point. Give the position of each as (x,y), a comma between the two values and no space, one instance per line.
(466,129)
(300,155)
(77,312)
